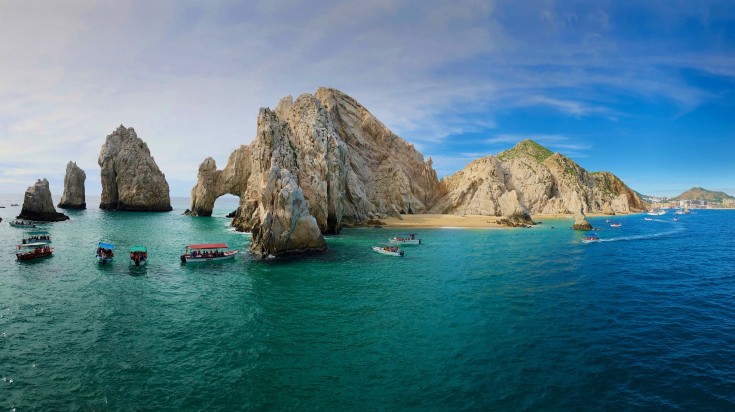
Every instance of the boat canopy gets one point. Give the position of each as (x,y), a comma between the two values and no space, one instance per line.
(37,233)
(208,246)
(107,246)
(34,245)
(138,249)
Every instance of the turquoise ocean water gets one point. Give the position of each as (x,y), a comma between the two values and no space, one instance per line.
(469,320)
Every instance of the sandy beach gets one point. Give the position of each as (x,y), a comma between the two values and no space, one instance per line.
(460,221)
(466,221)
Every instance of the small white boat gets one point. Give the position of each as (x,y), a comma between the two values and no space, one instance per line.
(647,218)
(21,223)
(388,250)
(616,225)
(657,212)
(207,252)
(405,240)
(105,252)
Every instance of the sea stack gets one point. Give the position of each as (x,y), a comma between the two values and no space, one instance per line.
(131,180)
(37,204)
(321,159)
(73,197)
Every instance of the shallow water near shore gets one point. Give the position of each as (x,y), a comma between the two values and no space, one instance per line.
(469,320)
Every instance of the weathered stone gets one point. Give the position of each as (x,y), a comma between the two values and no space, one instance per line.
(581,223)
(73,197)
(529,178)
(131,180)
(37,204)
(347,165)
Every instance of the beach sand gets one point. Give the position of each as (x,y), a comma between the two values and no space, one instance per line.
(461,221)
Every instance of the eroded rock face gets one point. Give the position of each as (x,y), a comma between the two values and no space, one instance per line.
(131,180)
(73,197)
(37,204)
(346,164)
(529,178)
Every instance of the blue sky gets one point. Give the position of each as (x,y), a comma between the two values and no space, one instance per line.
(644,89)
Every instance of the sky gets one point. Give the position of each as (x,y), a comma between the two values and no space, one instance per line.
(643,89)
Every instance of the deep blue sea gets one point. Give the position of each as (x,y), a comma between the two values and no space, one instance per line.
(511,319)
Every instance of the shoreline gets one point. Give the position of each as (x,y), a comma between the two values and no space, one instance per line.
(436,221)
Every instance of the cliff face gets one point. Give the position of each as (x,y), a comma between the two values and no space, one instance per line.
(530,178)
(329,150)
(131,180)
(73,197)
(37,204)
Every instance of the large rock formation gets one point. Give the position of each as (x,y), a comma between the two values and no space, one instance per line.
(37,204)
(322,158)
(530,178)
(131,180)
(73,197)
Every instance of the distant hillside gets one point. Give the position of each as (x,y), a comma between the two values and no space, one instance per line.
(698,193)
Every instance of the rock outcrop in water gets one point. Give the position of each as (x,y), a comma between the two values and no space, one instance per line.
(531,179)
(73,197)
(131,180)
(322,157)
(323,161)
(37,204)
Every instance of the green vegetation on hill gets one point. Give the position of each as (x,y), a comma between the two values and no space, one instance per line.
(698,193)
(526,148)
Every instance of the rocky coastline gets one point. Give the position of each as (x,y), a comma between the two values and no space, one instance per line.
(37,204)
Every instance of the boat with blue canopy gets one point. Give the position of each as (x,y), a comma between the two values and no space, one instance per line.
(105,252)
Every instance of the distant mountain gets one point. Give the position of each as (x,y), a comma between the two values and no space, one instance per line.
(698,193)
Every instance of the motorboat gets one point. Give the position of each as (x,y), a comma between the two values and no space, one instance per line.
(657,212)
(22,223)
(410,239)
(105,252)
(207,252)
(647,218)
(30,251)
(590,237)
(138,255)
(388,250)
(14,204)
(616,224)
(676,219)
(37,236)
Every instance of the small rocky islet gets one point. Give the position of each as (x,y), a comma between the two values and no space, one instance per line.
(323,161)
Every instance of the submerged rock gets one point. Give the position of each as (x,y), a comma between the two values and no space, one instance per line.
(37,204)
(131,180)
(73,197)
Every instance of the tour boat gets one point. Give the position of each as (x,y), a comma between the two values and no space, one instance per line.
(138,255)
(207,252)
(657,212)
(21,223)
(105,252)
(591,237)
(37,236)
(388,250)
(29,251)
(405,240)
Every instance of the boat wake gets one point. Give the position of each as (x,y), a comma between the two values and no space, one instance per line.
(642,237)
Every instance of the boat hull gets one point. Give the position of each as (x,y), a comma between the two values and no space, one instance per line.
(387,252)
(138,263)
(31,255)
(190,259)
(104,260)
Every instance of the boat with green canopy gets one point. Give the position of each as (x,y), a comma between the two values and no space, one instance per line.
(138,255)
(37,236)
